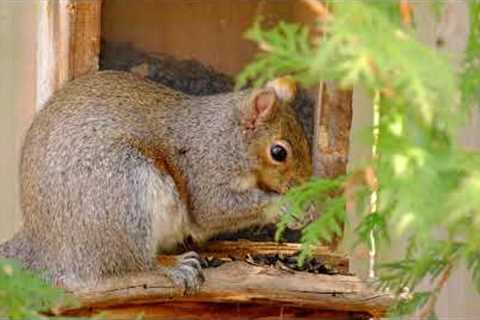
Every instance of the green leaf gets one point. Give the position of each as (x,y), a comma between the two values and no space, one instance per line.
(427,182)
(23,294)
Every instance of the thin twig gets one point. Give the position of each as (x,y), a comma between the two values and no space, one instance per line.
(429,307)
(372,252)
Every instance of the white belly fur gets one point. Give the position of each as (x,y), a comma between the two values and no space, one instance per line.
(169,213)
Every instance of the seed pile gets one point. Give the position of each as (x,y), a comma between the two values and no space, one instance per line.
(280,261)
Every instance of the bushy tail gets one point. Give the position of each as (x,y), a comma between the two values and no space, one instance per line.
(18,248)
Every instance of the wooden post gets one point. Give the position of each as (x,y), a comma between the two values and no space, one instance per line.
(68,43)
(331,142)
(332,118)
(333,121)
(84,36)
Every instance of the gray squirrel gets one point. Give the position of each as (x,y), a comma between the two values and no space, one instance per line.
(116,169)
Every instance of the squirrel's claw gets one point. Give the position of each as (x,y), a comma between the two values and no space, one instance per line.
(187,275)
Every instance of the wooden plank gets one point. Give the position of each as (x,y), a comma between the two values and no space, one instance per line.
(234,283)
(84,36)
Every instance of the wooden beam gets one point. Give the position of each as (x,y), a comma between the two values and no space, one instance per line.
(235,284)
(237,290)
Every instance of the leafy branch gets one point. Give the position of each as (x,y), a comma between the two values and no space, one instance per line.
(427,183)
(23,295)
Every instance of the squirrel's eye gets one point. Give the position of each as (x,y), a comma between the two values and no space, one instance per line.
(278,152)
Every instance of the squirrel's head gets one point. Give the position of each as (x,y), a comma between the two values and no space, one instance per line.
(277,144)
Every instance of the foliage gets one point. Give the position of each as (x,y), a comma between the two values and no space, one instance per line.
(315,193)
(427,184)
(23,295)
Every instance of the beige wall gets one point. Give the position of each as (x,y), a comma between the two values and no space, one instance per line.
(17,99)
(18,32)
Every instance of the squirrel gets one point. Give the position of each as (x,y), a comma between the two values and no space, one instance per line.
(196,78)
(116,169)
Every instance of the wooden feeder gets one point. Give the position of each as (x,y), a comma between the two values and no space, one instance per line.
(211,31)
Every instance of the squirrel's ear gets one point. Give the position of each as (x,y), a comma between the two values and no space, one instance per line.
(263,103)
(284,87)
(259,109)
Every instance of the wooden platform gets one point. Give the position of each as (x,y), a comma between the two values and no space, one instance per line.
(239,290)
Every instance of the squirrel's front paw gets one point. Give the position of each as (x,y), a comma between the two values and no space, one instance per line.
(187,274)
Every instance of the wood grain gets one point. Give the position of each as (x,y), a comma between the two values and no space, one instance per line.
(85,36)
(236,284)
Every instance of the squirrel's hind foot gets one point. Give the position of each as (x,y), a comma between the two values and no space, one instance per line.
(68,282)
(187,275)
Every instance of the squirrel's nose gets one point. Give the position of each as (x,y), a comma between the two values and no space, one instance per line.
(293,183)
